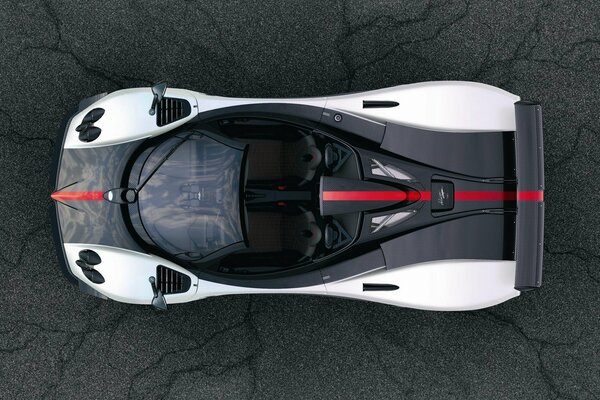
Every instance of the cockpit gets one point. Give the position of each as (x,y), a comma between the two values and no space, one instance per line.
(241,195)
(188,197)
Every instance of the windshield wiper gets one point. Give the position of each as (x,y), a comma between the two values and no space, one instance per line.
(161,162)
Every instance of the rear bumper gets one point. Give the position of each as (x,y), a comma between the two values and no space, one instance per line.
(530,209)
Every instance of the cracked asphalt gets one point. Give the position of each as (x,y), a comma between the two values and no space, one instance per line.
(58,343)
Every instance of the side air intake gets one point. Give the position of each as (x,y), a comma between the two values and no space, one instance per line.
(170,109)
(169,281)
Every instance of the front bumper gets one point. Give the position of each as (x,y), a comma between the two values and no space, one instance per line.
(54,172)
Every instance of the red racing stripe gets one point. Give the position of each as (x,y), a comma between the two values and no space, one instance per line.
(531,196)
(396,195)
(65,196)
(499,196)
(426,196)
(485,196)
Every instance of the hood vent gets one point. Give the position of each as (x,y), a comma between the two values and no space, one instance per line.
(169,281)
(169,110)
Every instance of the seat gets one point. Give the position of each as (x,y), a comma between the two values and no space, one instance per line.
(275,159)
(273,232)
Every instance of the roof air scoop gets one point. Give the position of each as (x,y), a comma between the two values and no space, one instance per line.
(389,171)
(382,222)
(335,156)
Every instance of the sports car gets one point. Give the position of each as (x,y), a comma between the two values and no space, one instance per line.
(426,195)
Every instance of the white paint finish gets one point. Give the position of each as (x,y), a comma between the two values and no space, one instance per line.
(443,106)
(126,274)
(210,289)
(452,285)
(442,285)
(126,117)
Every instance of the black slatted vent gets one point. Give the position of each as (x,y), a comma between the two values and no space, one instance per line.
(169,110)
(170,281)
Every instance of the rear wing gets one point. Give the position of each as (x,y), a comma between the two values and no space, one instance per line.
(530,195)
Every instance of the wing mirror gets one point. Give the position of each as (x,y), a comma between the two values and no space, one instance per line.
(158,301)
(159,92)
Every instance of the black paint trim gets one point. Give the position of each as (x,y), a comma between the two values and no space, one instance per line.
(379,104)
(367,262)
(476,154)
(529,245)
(309,278)
(379,287)
(530,214)
(359,126)
(529,146)
(285,110)
(479,237)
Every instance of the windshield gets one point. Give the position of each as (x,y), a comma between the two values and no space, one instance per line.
(188,199)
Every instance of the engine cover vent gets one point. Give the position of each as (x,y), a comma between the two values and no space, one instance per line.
(170,109)
(169,281)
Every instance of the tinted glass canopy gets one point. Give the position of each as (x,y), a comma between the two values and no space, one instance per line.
(189,202)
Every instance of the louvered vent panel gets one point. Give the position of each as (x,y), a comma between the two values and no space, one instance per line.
(170,281)
(169,110)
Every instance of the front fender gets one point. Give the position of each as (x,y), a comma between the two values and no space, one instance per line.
(126,117)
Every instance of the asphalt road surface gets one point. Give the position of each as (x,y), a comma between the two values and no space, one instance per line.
(58,343)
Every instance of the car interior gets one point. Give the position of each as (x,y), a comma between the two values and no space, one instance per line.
(283,167)
(279,196)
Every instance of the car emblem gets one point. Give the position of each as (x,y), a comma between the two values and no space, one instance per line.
(442,196)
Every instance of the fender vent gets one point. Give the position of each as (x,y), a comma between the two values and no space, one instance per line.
(379,287)
(169,110)
(379,104)
(169,281)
